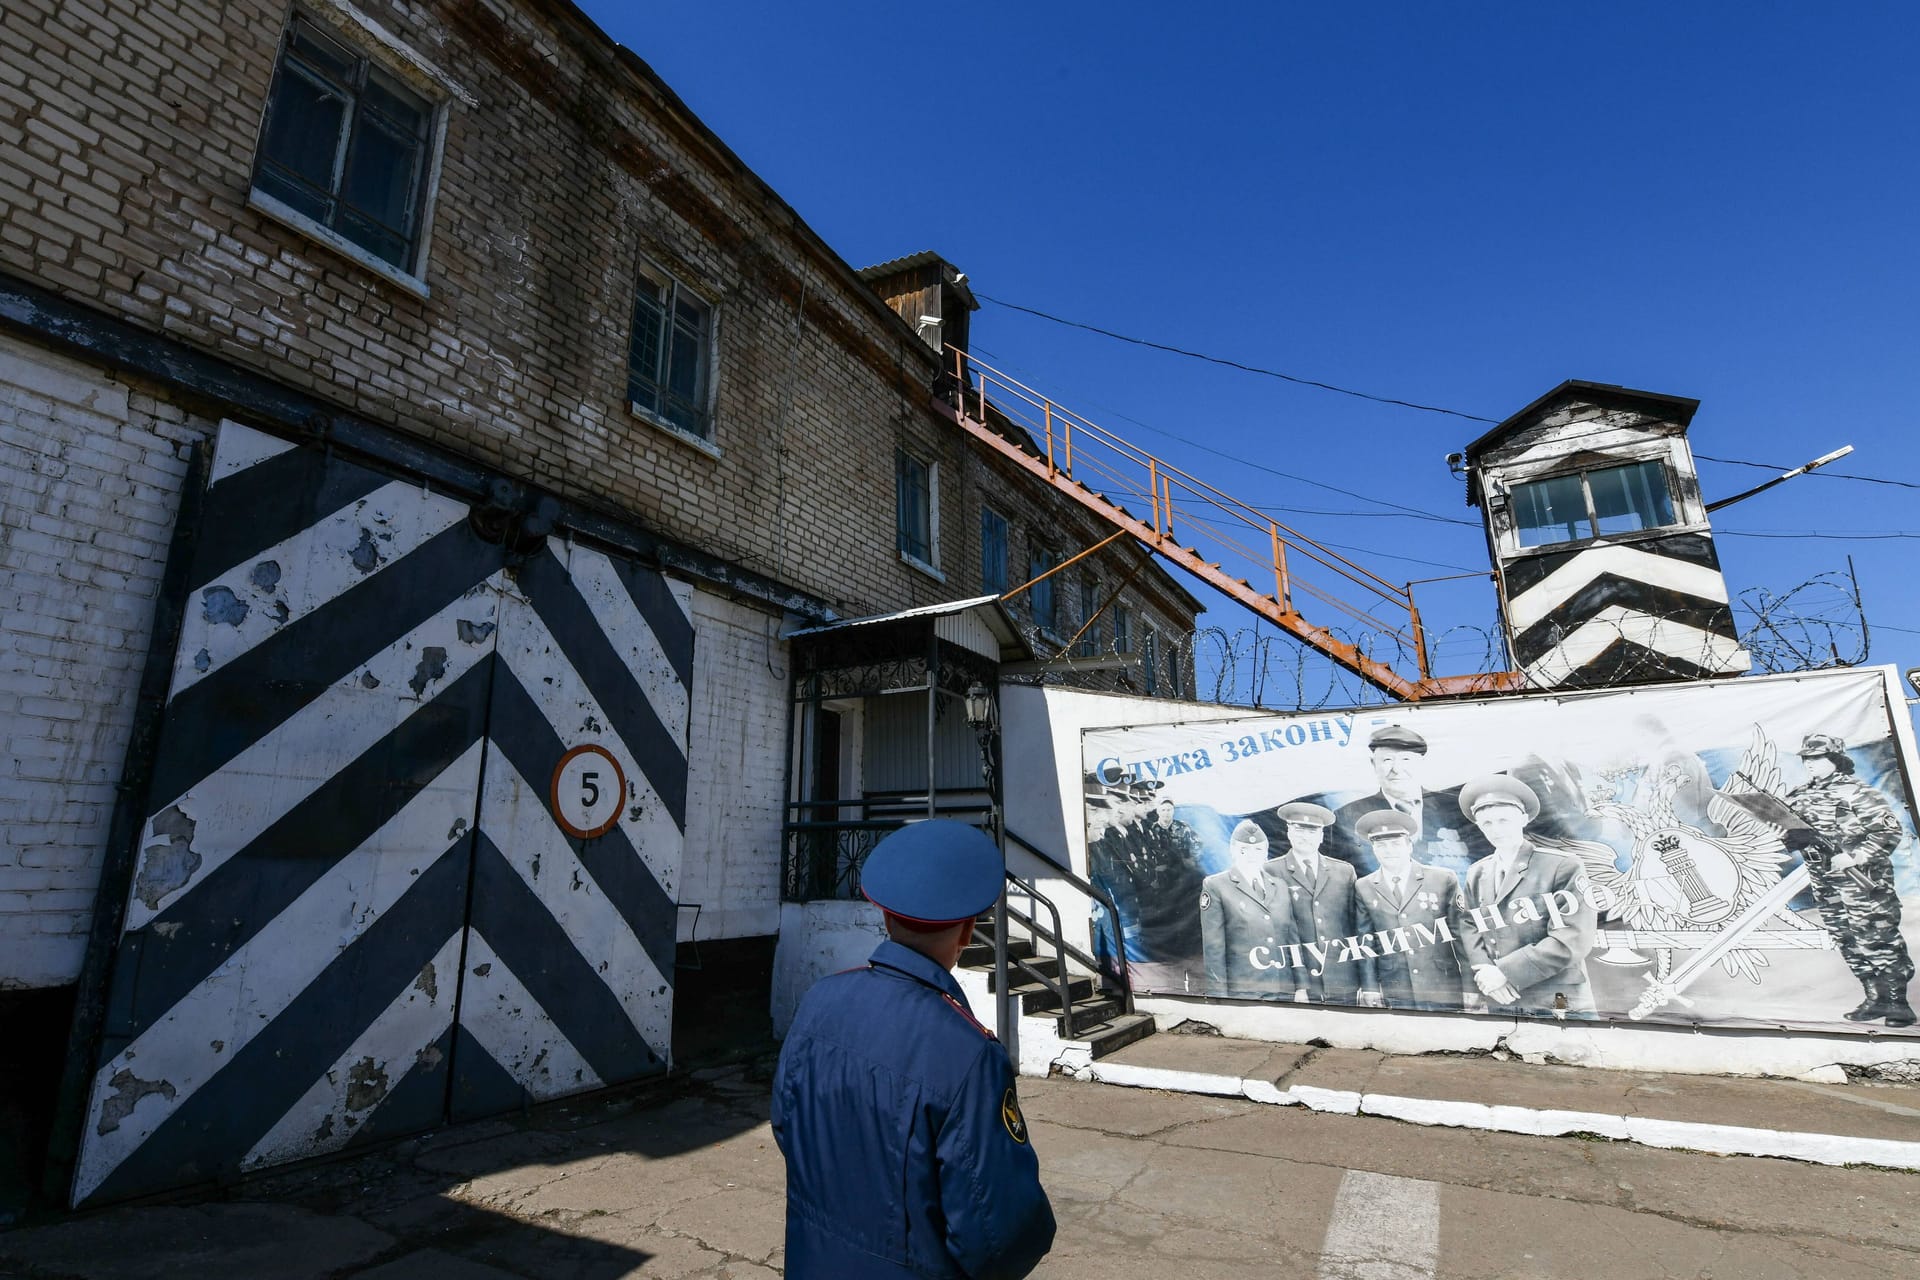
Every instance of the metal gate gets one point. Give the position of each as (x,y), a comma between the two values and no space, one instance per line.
(413,836)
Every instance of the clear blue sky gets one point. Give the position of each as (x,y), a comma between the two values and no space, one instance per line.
(1456,204)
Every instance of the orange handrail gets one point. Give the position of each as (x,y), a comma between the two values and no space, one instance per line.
(1209,519)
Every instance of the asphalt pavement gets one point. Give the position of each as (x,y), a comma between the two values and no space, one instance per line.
(682,1179)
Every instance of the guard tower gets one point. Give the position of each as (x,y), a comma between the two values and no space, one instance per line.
(1602,553)
(930,294)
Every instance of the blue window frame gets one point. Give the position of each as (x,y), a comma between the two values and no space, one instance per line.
(993,552)
(913,506)
(1041,598)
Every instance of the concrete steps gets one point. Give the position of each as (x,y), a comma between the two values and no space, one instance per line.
(1093,1024)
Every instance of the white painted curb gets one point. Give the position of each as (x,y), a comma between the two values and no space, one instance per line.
(1681,1135)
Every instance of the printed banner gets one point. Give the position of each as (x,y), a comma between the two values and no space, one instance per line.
(1738,852)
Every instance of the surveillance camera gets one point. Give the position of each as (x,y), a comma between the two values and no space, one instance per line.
(1913,679)
(1455,459)
(927,322)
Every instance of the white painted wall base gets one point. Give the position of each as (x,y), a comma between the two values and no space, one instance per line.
(816,939)
(1681,1135)
(90,478)
(1709,1051)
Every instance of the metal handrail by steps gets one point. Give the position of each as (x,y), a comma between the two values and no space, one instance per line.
(1059,979)
(1112,979)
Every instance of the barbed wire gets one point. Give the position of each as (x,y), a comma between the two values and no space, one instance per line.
(1816,624)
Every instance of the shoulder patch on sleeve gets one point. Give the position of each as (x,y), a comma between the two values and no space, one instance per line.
(1010,1117)
(966,1013)
(1206,899)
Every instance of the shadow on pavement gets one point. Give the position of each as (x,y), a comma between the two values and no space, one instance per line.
(569,1189)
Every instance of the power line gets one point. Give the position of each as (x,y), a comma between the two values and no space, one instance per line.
(1378,399)
(1868,536)
(1234,364)
(1244,462)
(1831,475)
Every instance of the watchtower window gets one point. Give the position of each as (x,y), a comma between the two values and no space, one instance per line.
(1591,504)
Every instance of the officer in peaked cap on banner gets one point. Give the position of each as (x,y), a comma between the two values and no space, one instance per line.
(1404,895)
(1160,875)
(1525,960)
(1852,875)
(1318,901)
(1442,835)
(1242,941)
(907,1155)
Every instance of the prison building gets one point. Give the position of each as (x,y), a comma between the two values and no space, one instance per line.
(422,436)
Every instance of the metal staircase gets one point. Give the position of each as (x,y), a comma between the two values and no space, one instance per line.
(1079,1008)
(1086,1003)
(1224,537)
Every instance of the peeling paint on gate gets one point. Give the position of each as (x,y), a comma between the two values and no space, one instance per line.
(350,794)
(128,1091)
(167,865)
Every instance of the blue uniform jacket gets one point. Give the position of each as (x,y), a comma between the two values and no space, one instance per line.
(906,1151)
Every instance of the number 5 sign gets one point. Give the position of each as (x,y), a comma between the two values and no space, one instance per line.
(588,791)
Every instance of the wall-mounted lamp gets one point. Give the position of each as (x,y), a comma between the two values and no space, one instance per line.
(980,710)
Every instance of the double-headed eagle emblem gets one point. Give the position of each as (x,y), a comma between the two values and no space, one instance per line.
(1680,878)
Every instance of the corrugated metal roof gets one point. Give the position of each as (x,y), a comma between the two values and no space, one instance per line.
(925,258)
(991,634)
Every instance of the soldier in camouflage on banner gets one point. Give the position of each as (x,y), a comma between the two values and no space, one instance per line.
(1852,874)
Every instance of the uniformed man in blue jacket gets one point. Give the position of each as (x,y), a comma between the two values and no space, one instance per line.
(907,1155)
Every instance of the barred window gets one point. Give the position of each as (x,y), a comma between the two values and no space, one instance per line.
(668,363)
(993,552)
(346,147)
(1122,629)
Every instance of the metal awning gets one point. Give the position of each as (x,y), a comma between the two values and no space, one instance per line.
(981,626)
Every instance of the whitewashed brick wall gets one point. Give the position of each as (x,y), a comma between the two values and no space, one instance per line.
(736,769)
(90,477)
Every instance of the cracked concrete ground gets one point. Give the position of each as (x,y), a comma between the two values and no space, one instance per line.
(682,1180)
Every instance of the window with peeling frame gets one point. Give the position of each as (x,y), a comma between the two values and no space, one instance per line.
(1592,504)
(347,146)
(668,366)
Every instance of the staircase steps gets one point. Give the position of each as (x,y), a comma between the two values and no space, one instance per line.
(1043,997)
(979,953)
(1093,1017)
(1116,1033)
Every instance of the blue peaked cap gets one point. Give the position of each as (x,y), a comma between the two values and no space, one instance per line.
(934,871)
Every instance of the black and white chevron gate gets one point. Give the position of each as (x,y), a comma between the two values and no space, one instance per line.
(1654,609)
(354,912)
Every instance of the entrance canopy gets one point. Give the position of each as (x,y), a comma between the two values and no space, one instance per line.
(981,626)
(883,733)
